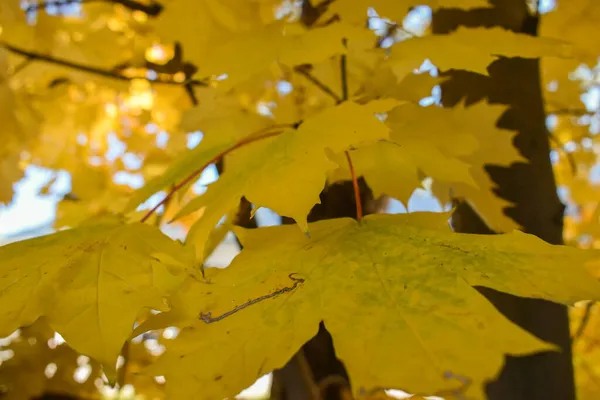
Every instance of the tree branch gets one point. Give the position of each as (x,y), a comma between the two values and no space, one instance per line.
(21,66)
(561,147)
(576,112)
(33,56)
(584,321)
(344,73)
(153,9)
(256,136)
(326,89)
(359,211)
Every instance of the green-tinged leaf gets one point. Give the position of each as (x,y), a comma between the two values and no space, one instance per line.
(219,134)
(179,169)
(298,156)
(473,49)
(90,283)
(406,296)
(386,166)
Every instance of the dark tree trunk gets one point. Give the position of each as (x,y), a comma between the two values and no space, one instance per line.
(516,83)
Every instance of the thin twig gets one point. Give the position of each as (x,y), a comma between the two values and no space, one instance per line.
(207,317)
(153,9)
(344,73)
(344,76)
(591,373)
(587,314)
(326,89)
(569,156)
(89,69)
(161,216)
(359,210)
(21,66)
(122,376)
(575,112)
(459,392)
(247,140)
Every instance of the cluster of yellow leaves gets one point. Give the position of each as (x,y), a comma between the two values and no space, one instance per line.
(91,283)
(41,365)
(409,294)
(386,286)
(19,129)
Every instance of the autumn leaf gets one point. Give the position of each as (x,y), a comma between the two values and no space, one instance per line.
(90,283)
(246,54)
(409,295)
(102,99)
(18,130)
(424,139)
(355,11)
(473,49)
(254,171)
(180,168)
(201,25)
(25,374)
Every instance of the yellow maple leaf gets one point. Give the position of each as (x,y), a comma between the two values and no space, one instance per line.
(413,87)
(473,49)
(180,168)
(90,283)
(407,295)
(25,375)
(386,166)
(424,138)
(576,22)
(255,171)
(19,128)
(248,54)
(490,145)
(355,11)
(201,25)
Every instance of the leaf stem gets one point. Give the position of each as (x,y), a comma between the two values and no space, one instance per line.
(209,319)
(161,216)
(254,137)
(20,66)
(561,147)
(584,321)
(122,375)
(574,112)
(153,9)
(326,89)
(33,56)
(359,210)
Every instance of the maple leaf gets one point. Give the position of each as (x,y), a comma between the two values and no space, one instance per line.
(406,296)
(355,11)
(575,23)
(90,283)
(202,25)
(424,138)
(180,168)
(473,49)
(24,375)
(297,155)
(247,54)
(18,130)
(413,87)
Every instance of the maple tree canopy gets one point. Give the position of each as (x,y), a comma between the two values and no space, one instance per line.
(136,100)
